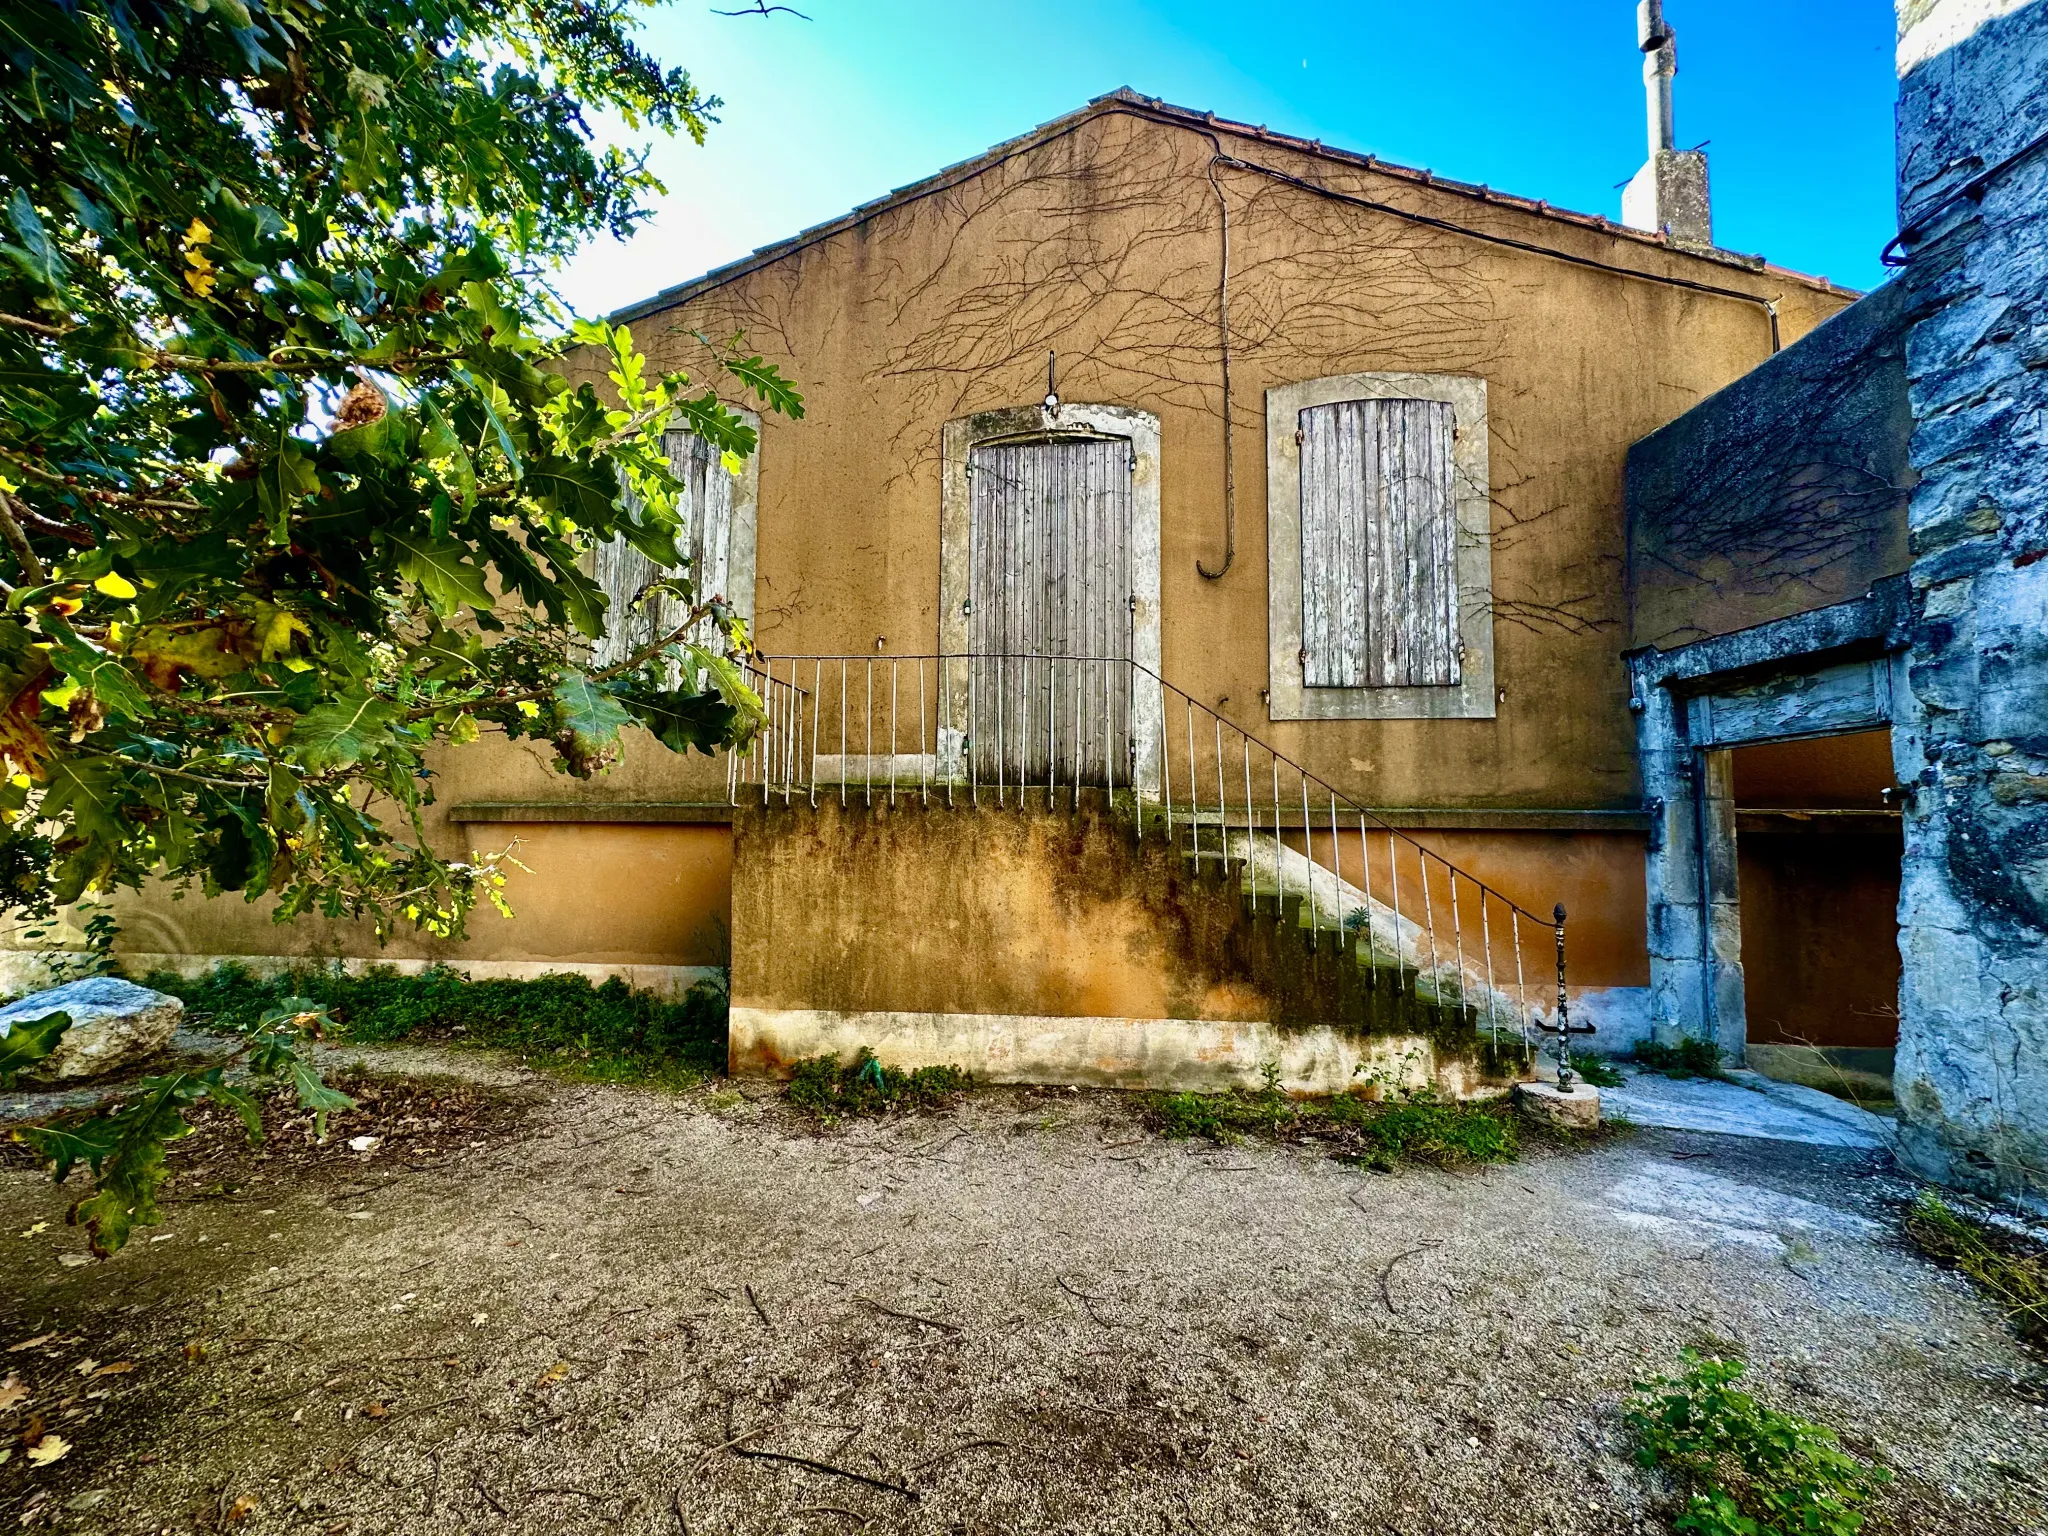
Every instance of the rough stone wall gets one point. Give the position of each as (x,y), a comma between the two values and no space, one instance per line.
(1973,1055)
(1782,493)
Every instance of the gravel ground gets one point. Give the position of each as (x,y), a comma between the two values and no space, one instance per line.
(546,1308)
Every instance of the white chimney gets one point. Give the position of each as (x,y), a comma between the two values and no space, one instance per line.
(1669,194)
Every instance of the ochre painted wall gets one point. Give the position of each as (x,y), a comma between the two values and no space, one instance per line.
(1820,893)
(590,894)
(1820,937)
(1598,876)
(1103,245)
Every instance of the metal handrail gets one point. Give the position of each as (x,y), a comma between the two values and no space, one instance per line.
(1115,713)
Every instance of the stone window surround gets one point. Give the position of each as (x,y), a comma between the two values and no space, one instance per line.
(957,440)
(1473,697)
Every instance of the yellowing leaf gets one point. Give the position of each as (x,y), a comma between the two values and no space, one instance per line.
(48,1449)
(274,630)
(242,1508)
(554,1375)
(115,585)
(60,698)
(115,1368)
(207,653)
(197,234)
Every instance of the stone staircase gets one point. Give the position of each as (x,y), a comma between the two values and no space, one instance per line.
(901,886)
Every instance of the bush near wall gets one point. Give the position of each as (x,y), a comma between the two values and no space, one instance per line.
(609,1032)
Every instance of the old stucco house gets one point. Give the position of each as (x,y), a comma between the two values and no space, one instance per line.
(1227,591)
(1309,468)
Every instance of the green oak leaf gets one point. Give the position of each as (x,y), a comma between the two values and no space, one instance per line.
(29,1041)
(344,733)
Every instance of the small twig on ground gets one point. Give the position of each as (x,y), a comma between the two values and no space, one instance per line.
(908,1317)
(676,1505)
(476,1481)
(349,1455)
(963,1447)
(759,1311)
(1088,1303)
(826,1467)
(1387,1271)
(602,1140)
(752,1434)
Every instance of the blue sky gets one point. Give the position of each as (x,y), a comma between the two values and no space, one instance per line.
(1537,97)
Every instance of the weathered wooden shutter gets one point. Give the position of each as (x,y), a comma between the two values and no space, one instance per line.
(1050,576)
(1379,567)
(705,507)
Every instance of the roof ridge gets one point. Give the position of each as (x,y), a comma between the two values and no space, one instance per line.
(1124,95)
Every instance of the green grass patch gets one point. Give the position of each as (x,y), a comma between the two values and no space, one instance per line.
(1598,1071)
(1689,1057)
(2008,1268)
(1746,1469)
(828,1089)
(1376,1134)
(607,1033)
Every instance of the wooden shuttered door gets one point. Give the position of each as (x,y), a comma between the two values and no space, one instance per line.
(1050,576)
(705,507)
(1379,567)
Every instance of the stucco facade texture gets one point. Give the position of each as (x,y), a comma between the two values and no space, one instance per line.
(1101,238)
(1972,1070)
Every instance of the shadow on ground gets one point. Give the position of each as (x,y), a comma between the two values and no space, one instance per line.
(562,1308)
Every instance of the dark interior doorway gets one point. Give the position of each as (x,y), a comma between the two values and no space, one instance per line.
(1818,853)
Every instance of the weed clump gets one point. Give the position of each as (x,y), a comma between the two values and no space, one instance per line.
(826,1089)
(1597,1071)
(1690,1057)
(2006,1267)
(1747,1469)
(1417,1128)
(1424,1129)
(605,1033)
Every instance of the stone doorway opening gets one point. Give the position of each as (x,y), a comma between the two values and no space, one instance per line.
(1818,844)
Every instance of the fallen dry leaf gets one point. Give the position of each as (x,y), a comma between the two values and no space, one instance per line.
(553,1375)
(196,1350)
(242,1508)
(115,1368)
(35,1343)
(38,1228)
(86,1367)
(375,1411)
(12,1393)
(47,1450)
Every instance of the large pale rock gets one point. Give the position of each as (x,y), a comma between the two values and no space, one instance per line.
(114,1024)
(1576,1109)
